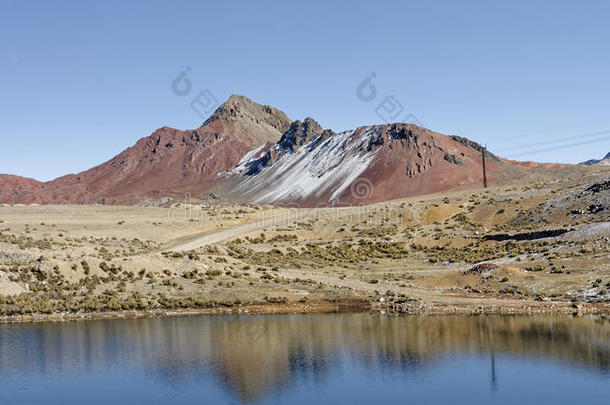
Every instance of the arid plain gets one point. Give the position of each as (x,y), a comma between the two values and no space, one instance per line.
(522,248)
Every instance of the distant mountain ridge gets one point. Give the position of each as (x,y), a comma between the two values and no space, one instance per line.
(605,161)
(247,152)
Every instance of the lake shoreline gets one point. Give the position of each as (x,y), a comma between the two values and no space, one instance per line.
(339,306)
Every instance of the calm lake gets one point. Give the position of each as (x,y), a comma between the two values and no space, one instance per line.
(302,359)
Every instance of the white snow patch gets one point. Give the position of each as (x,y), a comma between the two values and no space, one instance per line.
(241,166)
(330,167)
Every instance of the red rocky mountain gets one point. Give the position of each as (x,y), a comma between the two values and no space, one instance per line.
(252,153)
(312,167)
(169,162)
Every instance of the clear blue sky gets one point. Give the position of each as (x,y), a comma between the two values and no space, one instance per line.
(81,81)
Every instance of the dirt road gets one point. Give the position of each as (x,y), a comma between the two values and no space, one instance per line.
(228,233)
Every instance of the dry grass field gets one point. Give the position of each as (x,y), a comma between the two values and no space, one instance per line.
(542,246)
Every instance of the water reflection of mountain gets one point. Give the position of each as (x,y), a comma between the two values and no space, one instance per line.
(252,355)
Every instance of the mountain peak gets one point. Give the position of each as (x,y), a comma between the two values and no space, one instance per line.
(241,108)
(300,133)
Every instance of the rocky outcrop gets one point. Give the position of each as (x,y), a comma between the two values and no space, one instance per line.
(299,134)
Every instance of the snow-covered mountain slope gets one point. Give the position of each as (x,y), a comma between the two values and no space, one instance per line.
(310,166)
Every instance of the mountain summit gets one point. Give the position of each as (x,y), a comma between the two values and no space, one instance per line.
(238,107)
(255,123)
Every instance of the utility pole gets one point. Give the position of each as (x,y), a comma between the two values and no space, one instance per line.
(483,149)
